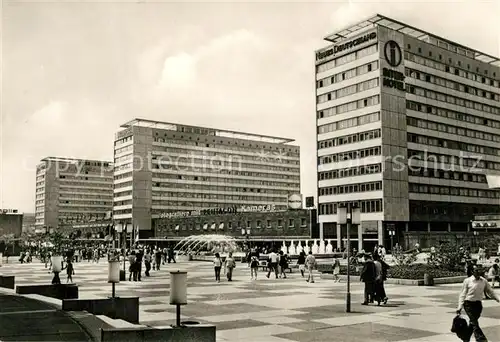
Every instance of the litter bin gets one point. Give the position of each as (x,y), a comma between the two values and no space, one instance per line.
(428,280)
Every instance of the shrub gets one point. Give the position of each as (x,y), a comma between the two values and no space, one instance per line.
(415,271)
(447,257)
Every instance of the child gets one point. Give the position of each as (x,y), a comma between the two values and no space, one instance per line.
(254,266)
(336,270)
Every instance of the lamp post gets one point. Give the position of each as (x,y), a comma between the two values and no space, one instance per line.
(391,229)
(246,233)
(350,216)
(476,234)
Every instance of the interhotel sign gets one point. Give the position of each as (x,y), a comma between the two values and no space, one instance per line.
(346,46)
(221,211)
(9,211)
(393,56)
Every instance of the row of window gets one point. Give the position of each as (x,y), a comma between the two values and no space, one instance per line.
(215,188)
(201,162)
(366,206)
(440,127)
(249,147)
(348,123)
(235,173)
(351,172)
(476,162)
(350,155)
(446,83)
(347,58)
(349,106)
(123,141)
(446,113)
(230,225)
(451,144)
(348,74)
(124,149)
(101,179)
(349,90)
(452,191)
(453,70)
(85,202)
(438,96)
(446,174)
(350,139)
(351,188)
(194,195)
(127,157)
(88,190)
(89,185)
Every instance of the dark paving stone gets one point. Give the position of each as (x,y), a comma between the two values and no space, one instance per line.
(492,333)
(307,325)
(363,332)
(149,302)
(246,323)
(493,312)
(202,309)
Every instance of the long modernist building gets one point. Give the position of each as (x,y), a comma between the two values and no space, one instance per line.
(408,127)
(162,168)
(73,194)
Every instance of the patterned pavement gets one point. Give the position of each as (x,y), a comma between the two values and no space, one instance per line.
(280,310)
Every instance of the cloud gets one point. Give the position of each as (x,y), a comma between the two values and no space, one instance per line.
(178,72)
(51,115)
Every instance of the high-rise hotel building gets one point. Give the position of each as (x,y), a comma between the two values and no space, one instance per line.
(165,170)
(408,127)
(72,193)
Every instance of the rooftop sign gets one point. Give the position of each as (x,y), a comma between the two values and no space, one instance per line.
(344,46)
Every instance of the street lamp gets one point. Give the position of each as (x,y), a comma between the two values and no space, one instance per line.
(246,233)
(391,229)
(476,234)
(349,215)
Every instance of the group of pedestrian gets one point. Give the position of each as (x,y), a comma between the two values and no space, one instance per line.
(229,265)
(374,274)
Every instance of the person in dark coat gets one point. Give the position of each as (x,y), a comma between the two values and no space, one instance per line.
(368,275)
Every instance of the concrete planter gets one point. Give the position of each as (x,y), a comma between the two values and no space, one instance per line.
(7,282)
(125,308)
(395,281)
(58,291)
(197,332)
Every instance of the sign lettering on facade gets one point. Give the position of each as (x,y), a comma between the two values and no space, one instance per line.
(221,211)
(346,46)
(394,57)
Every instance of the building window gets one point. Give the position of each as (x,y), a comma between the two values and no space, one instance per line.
(258,224)
(291,223)
(280,223)
(303,222)
(268,223)
(249,224)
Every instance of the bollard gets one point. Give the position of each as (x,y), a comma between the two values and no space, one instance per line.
(178,292)
(56,268)
(113,275)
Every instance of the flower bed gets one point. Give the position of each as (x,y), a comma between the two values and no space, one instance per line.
(415,271)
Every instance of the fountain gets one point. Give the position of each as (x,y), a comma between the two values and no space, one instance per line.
(329,247)
(211,243)
(307,248)
(283,248)
(293,248)
(322,247)
(316,247)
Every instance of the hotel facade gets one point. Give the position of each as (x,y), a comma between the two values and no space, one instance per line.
(408,128)
(73,194)
(162,168)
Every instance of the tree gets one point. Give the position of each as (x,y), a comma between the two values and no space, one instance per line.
(57,240)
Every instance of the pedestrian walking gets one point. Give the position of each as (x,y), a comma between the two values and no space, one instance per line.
(254,267)
(368,277)
(310,266)
(70,271)
(273,260)
(147,262)
(336,270)
(230,265)
(473,289)
(283,263)
(301,261)
(380,276)
(217,267)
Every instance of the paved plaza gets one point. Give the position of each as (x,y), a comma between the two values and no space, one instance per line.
(282,310)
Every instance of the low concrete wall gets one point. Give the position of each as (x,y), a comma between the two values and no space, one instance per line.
(7,282)
(126,308)
(199,332)
(413,282)
(59,291)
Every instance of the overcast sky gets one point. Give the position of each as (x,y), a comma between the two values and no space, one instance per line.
(73,72)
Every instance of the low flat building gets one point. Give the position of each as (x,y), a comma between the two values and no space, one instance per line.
(252,223)
(11,223)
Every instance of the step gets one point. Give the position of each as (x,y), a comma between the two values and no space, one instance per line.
(119,323)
